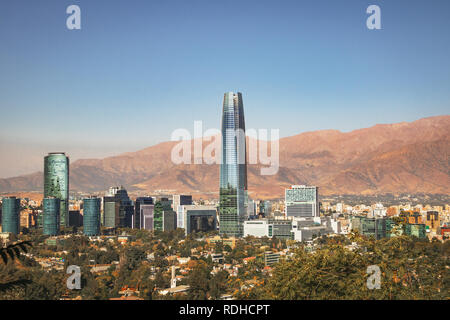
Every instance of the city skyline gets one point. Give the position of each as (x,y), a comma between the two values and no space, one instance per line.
(128,170)
(91,98)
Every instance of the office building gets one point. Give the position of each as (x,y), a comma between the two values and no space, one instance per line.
(433,221)
(11,215)
(251,209)
(197,218)
(180,200)
(27,219)
(139,212)
(169,221)
(75,218)
(50,223)
(233,168)
(56,182)
(281,229)
(91,216)
(126,209)
(377,228)
(265,209)
(118,209)
(416,230)
(270,258)
(111,209)
(146,212)
(302,201)
(162,205)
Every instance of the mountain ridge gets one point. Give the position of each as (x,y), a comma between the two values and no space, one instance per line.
(405,157)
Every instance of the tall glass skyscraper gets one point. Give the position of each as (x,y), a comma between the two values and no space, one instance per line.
(91,216)
(138,212)
(51,216)
(11,215)
(56,182)
(233,167)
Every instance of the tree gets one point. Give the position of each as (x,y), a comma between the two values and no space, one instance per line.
(198,281)
(12,251)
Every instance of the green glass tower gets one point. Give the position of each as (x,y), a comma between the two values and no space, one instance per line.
(161,208)
(233,167)
(56,182)
(51,216)
(91,216)
(11,215)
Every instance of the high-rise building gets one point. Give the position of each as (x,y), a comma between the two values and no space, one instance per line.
(27,218)
(56,182)
(11,215)
(146,212)
(195,218)
(139,212)
(111,209)
(265,208)
(51,216)
(302,201)
(233,167)
(163,213)
(169,222)
(75,218)
(91,216)
(180,200)
(118,209)
(126,209)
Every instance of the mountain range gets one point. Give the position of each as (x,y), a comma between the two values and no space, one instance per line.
(407,157)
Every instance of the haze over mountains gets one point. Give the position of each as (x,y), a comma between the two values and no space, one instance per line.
(403,157)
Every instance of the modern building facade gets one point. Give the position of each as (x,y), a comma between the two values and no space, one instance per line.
(233,167)
(302,201)
(138,212)
(11,215)
(169,222)
(163,207)
(146,212)
(196,218)
(126,209)
(270,258)
(265,208)
(280,229)
(377,228)
(180,200)
(91,216)
(75,218)
(56,182)
(111,209)
(118,209)
(50,223)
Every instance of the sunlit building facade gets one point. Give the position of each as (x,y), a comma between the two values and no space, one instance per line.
(233,167)
(91,216)
(11,215)
(56,182)
(302,201)
(52,207)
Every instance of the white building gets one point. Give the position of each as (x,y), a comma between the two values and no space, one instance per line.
(302,201)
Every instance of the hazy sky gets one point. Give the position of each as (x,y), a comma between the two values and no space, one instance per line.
(137,70)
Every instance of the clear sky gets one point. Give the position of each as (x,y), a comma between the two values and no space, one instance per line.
(137,70)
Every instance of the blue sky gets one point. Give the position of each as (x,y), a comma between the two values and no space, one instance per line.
(137,70)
